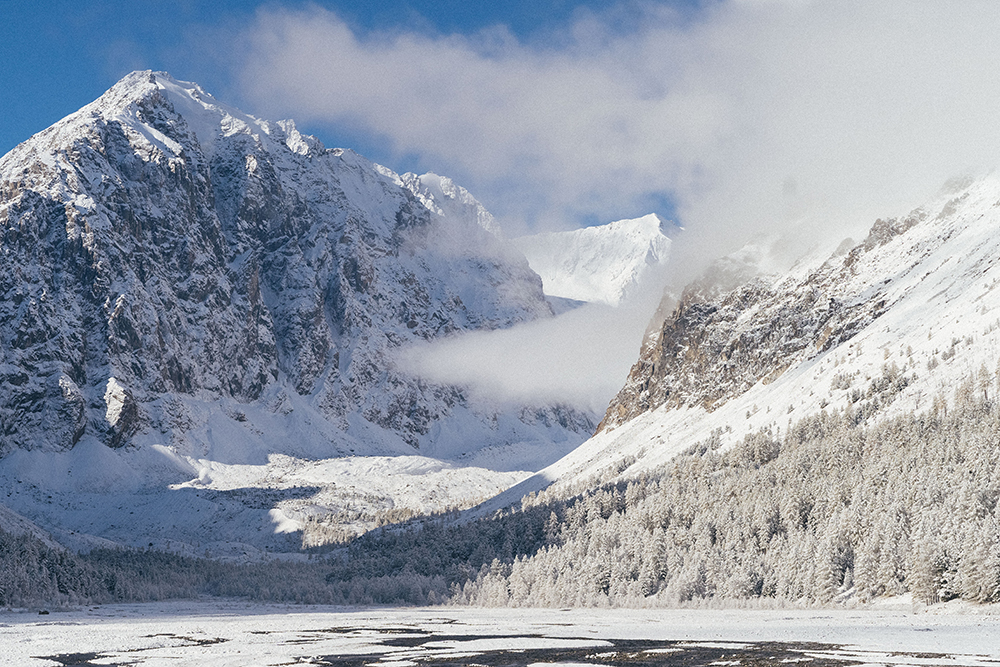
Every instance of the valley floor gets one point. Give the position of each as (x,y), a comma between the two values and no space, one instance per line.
(236,633)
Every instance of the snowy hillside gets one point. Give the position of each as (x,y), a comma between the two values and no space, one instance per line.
(912,307)
(827,435)
(443,196)
(603,264)
(190,288)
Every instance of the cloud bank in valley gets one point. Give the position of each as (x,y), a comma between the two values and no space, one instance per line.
(580,358)
(751,116)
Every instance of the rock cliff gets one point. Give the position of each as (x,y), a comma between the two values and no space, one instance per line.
(168,256)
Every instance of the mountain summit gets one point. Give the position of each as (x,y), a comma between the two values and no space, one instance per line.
(603,264)
(184,276)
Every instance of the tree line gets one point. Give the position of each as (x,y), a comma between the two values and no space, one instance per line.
(836,506)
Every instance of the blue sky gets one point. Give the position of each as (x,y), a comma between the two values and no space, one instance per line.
(739,117)
(59,55)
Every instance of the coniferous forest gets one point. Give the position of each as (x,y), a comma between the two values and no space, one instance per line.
(835,507)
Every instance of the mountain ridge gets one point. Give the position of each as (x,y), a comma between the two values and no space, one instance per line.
(193,290)
(884,325)
(605,264)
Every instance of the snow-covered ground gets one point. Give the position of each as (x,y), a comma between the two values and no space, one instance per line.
(235,633)
(199,506)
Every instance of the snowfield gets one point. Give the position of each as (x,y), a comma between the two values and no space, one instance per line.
(234,633)
(602,264)
(204,506)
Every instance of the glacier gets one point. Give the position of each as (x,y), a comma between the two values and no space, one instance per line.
(602,264)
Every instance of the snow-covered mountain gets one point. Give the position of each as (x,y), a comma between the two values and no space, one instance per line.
(201,289)
(602,264)
(443,196)
(886,325)
(826,434)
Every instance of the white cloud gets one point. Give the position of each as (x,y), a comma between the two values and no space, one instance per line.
(862,107)
(580,358)
(753,115)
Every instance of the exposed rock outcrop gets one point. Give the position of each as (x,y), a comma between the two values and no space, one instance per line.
(162,248)
(734,327)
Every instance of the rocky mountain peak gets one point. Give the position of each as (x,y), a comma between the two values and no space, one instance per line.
(735,328)
(172,258)
(445,197)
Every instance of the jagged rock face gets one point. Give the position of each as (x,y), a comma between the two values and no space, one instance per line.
(445,197)
(733,329)
(158,243)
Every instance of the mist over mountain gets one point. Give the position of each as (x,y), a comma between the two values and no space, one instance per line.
(199,290)
(220,338)
(603,282)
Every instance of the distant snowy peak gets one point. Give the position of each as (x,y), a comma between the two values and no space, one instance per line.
(601,264)
(443,196)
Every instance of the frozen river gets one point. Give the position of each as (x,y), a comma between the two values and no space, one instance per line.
(242,634)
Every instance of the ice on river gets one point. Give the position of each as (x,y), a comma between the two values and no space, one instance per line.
(224,633)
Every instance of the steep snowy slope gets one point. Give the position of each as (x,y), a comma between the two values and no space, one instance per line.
(194,287)
(601,264)
(165,245)
(443,196)
(884,327)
